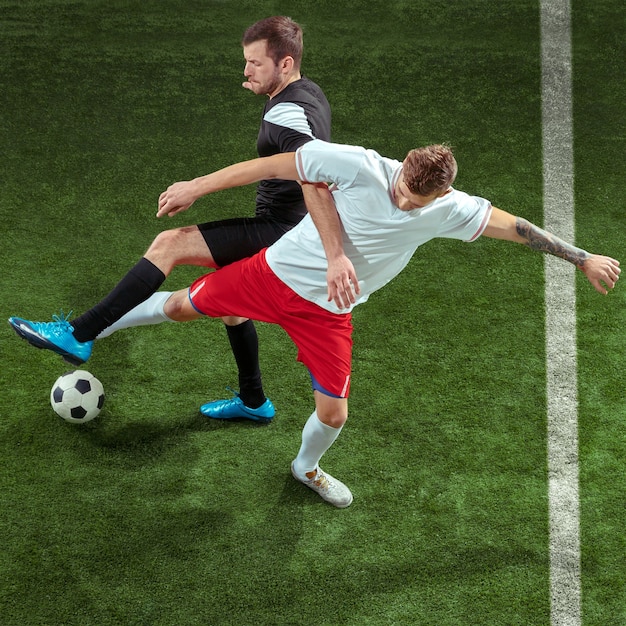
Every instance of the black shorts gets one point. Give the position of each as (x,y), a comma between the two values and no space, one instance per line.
(234,239)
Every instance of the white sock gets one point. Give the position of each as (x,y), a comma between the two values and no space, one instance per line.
(317,437)
(150,311)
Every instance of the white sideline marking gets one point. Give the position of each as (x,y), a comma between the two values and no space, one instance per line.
(560,297)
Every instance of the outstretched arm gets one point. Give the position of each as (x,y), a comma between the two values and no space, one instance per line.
(340,276)
(601,271)
(180,196)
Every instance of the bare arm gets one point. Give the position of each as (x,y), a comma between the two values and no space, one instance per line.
(601,271)
(341,276)
(180,196)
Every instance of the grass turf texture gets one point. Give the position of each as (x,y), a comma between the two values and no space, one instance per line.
(151,514)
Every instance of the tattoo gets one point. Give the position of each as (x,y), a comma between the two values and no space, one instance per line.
(543,241)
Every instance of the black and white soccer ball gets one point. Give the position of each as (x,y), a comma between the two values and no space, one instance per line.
(77,396)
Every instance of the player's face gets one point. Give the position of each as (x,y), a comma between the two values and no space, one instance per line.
(405,200)
(260,70)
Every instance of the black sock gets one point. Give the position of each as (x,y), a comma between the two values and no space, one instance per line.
(138,285)
(245,345)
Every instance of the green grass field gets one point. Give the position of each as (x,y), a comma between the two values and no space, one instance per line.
(152,516)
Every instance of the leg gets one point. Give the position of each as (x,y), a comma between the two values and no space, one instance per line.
(180,246)
(320,432)
(318,435)
(244,343)
(57,335)
(231,240)
(74,342)
(250,403)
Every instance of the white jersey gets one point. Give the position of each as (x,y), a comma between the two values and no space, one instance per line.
(378,237)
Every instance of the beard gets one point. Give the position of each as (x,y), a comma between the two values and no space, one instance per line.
(271,85)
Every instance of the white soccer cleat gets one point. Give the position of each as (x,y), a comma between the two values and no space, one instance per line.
(327,487)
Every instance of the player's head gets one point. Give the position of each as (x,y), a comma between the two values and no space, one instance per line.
(429,170)
(427,174)
(273,52)
(282,36)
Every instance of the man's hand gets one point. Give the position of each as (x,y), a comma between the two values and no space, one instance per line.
(177,198)
(343,285)
(601,271)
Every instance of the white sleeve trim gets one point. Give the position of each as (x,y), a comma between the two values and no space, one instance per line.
(289,115)
(300,165)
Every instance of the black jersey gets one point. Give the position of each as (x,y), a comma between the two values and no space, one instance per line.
(299,113)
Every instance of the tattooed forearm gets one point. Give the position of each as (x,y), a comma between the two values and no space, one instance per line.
(543,241)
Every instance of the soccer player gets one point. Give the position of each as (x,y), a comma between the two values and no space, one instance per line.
(385,210)
(296,112)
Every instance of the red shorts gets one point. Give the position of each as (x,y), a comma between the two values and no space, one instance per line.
(249,288)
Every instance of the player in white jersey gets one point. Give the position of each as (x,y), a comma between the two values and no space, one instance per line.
(385,210)
(380,240)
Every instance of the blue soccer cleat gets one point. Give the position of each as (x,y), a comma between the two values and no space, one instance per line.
(56,336)
(235,408)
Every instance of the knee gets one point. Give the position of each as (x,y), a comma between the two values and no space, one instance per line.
(175,242)
(164,242)
(333,416)
(179,246)
(176,307)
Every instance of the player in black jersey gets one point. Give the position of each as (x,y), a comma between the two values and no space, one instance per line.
(296,112)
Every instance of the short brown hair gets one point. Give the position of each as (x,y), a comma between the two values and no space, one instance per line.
(283,37)
(429,170)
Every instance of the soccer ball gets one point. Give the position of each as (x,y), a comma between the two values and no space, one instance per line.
(77,396)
